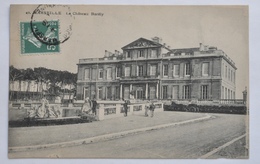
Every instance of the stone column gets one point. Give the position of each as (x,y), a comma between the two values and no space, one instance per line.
(146,91)
(131,87)
(131,107)
(121,91)
(157,95)
(100,112)
(118,108)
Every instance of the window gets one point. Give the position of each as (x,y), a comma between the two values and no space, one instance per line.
(176,70)
(152,92)
(140,70)
(223,70)
(153,53)
(127,71)
(187,69)
(222,93)
(153,70)
(86,92)
(126,92)
(204,92)
(101,74)
(139,93)
(109,73)
(94,73)
(109,93)
(231,76)
(128,55)
(225,93)
(140,53)
(186,92)
(118,71)
(226,72)
(165,70)
(117,93)
(100,93)
(164,89)
(86,73)
(175,92)
(234,77)
(205,69)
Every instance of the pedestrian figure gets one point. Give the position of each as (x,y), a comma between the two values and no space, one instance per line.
(126,102)
(94,106)
(152,107)
(87,106)
(147,107)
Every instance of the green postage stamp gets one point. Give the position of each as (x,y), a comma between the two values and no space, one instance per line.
(39,37)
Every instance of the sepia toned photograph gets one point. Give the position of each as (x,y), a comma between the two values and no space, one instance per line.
(128,82)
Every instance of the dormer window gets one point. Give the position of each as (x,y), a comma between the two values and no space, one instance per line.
(140,53)
(153,53)
(128,54)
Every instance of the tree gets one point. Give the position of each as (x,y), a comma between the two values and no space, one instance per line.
(29,77)
(55,80)
(14,75)
(41,77)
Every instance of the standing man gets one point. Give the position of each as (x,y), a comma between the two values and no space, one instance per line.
(126,106)
(147,107)
(152,107)
(94,106)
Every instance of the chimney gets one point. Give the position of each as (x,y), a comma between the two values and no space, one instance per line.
(206,48)
(106,53)
(201,47)
(157,39)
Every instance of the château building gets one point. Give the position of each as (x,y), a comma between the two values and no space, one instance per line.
(149,69)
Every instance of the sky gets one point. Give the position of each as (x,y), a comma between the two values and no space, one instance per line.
(225,27)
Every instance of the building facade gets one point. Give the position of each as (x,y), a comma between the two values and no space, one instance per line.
(148,69)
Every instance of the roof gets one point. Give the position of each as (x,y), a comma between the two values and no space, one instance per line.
(185,50)
(145,43)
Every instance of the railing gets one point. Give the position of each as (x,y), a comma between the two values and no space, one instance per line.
(112,109)
(210,102)
(105,109)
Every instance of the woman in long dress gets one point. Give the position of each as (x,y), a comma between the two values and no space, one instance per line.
(87,106)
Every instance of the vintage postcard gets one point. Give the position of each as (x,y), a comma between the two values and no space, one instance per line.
(128,82)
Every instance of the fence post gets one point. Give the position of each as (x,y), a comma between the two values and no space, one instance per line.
(131,109)
(143,107)
(100,112)
(118,109)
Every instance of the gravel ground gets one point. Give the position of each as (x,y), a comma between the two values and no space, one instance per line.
(236,150)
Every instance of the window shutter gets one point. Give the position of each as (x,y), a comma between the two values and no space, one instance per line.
(132,71)
(123,71)
(157,70)
(105,74)
(148,69)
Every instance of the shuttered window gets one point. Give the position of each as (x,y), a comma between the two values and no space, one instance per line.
(86,73)
(153,70)
(205,69)
(176,70)
(127,71)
